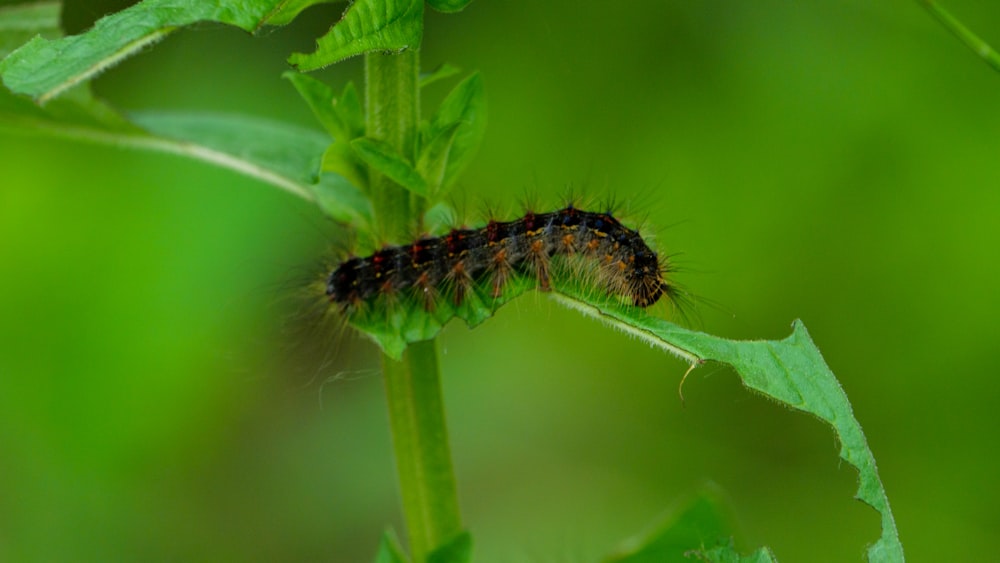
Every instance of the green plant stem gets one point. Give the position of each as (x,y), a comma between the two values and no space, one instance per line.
(413,388)
(392,100)
(957,29)
(420,440)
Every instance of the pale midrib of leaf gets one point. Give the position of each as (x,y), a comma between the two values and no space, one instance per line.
(149,142)
(642,334)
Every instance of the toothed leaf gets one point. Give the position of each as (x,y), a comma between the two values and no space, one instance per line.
(367,25)
(44,68)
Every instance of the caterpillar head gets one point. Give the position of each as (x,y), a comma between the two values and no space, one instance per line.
(646,280)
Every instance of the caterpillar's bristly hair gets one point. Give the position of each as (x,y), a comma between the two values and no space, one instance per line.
(590,246)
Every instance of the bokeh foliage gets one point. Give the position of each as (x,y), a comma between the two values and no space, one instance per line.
(831,162)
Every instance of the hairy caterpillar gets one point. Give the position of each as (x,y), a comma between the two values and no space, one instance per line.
(616,257)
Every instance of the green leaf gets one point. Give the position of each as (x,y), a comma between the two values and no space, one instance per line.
(382,157)
(21,22)
(699,523)
(446,70)
(389,550)
(290,9)
(341,200)
(319,97)
(282,154)
(465,107)
(456,550)
(449,6)
(348,107)
(341,159)
(433,162)
(43,68)
(278,154)
(367,26)
(702,529)
(76,116)
(726,554)
(791,371)
(342,117)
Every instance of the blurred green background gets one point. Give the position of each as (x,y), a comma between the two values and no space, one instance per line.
(833,161)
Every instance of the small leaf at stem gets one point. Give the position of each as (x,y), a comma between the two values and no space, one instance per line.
(433,161)
(341,159)
(382,157)
(449,6)
(446,70)
(465,106)
(389,550)
(367,26)
(342,116)
(348,107)
(319,97)
(456,550)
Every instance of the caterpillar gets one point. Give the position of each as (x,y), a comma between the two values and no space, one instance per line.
(616,257)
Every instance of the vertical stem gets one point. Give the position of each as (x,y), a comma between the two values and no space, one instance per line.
(420,440)
(413,388)
(392,97)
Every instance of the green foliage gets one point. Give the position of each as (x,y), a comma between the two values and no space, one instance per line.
(701,529)
(23,21)
(43,68)
(383,157)
(367,26)
(454,134)
(444,70)
(277,153)
(290,9)
(456,550)
(449,6)
(725,554)
(791,371)
(46,93)
(321,101)
(389,550)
